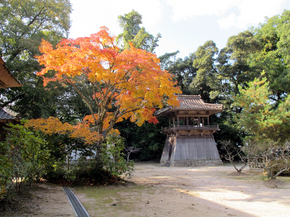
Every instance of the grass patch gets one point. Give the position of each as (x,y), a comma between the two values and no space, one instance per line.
(256,177)
(112,200)
(250,178)
(249,175)
(284,179)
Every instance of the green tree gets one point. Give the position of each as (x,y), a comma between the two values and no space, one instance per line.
(168,59)
(274,57)
(233,70)
(233,67)
(135,34)
(266,124)
(206,75)
(260,118)
(182,70)
(147,138)
(24,24)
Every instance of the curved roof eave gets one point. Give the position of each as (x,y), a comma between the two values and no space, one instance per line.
(191,103)
(6,78)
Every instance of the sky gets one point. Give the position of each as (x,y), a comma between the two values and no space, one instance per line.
(184,24)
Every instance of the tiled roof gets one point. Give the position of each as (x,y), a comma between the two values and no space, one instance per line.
(6,78)
(7,114)
(192,102)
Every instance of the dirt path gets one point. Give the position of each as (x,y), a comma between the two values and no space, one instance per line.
(168,191)
(201,191)
(45,200)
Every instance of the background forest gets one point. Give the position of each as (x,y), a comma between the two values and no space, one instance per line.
(250,77)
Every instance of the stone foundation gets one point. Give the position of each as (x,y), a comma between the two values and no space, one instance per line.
(193,163)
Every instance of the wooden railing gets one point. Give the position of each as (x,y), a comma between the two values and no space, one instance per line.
(191,127)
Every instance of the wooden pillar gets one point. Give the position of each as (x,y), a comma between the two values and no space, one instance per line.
(173,122)
(177,121)
(187,121)
(169,122)
(208,120)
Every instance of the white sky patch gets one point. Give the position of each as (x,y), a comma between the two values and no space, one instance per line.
(187,9)
(174,46)
(250,12)
(89,15)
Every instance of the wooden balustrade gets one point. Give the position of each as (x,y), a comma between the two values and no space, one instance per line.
(191,127)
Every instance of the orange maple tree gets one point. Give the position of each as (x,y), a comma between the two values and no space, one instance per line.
(122,83)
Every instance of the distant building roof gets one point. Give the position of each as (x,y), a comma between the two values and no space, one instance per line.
(6,78)
(7,114)
(191,103)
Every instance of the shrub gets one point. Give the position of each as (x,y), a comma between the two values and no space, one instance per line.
(22,158)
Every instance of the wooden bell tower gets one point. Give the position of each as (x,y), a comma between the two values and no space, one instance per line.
(190,140)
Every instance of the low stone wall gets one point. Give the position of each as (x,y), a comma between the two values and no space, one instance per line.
(193,163)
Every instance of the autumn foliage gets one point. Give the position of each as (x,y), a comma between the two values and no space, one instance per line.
(121,83)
